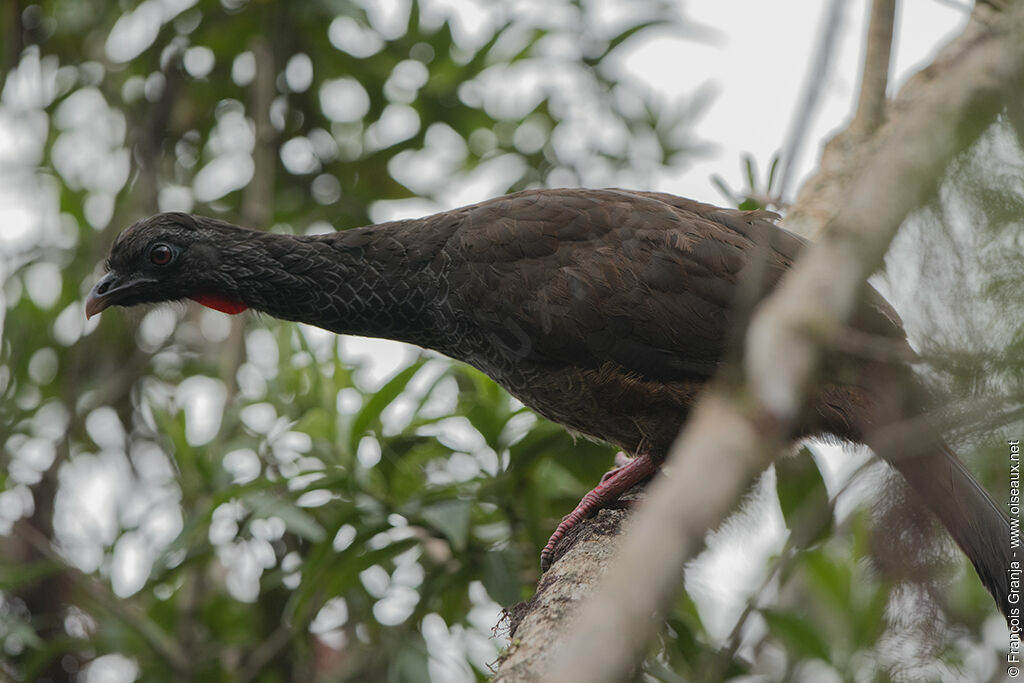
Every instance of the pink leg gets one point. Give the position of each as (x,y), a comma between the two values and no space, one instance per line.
(621,460)
(613,485)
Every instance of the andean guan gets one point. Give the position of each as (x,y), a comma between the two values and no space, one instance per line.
(606,311)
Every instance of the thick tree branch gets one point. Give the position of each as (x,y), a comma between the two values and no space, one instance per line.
(936,115)
(538,628)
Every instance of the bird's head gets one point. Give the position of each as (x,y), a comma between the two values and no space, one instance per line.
(168,257)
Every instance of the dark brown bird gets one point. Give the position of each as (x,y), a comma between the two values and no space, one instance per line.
(606,311)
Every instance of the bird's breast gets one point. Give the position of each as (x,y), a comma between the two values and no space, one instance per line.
(603,403)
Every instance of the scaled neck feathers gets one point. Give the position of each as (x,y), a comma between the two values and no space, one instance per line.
(379,280)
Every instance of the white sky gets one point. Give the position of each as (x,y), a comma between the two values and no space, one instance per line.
(758,64)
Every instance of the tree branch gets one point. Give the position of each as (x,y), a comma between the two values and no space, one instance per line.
(935,116)
(875,74)
(825,189)
(538,628)
(817,76)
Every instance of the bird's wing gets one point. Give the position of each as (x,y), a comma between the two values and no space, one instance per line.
(582,277)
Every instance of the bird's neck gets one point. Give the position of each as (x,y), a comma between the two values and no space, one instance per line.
(378,281)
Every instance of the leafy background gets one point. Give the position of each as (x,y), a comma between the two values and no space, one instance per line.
(187,496)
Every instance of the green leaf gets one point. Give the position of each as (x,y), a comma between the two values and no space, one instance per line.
(720,184)
(369,414)
(771,173)
(22,630)
(797,633)
(868,620)
(499,578)
(803,498)
(451,518)
(295,519)
(632,31)
(316,422)
(832,579)
(412,665)
(686,641)
(14,576)
(622,37)
(751,170)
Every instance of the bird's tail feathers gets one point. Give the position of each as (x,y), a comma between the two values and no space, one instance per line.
(977,524)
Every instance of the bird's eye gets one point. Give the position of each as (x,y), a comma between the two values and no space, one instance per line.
(160,255)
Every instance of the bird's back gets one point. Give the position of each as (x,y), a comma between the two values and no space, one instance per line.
(583,277)
(597,306)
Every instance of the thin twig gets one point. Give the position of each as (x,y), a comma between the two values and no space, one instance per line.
(821,64)
(262,655)
(875,74)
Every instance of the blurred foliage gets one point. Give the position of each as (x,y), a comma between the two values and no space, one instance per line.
(188,498)
(384,519)
(758,194)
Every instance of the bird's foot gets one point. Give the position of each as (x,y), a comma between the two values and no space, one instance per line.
(613,484)
(621,460)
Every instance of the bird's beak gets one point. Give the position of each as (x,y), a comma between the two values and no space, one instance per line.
(99,297)
(109,291)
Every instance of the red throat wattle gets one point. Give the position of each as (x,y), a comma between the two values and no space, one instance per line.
(219,303)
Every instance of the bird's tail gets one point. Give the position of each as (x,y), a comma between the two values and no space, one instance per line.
(977,524)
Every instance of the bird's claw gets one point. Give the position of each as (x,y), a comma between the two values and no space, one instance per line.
(612,485)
